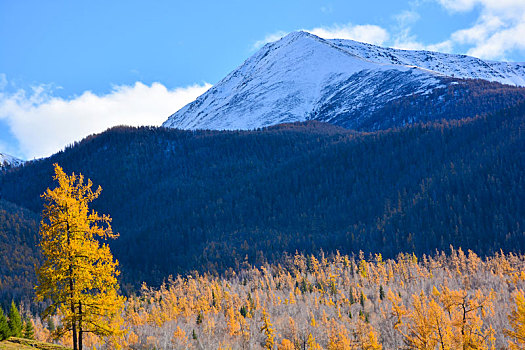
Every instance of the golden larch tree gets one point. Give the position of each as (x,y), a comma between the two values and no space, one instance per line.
(267,328)
(78,275)
(517,322)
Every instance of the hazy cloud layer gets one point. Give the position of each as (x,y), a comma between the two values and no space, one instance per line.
(43,124)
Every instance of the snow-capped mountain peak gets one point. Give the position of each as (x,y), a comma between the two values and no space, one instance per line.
(302,76)
(7,161)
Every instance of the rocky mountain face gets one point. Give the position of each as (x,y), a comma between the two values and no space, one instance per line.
(348,83)
(8,161)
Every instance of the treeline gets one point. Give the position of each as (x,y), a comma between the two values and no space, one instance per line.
(457,99)
(411,102)
(208,200)
(442,301)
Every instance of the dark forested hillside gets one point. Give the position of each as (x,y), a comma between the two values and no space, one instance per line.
(457,100)
(203,200)
(18,253)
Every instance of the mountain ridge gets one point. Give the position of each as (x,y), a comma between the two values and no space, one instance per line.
(493,70)
(7,161)
(295,78)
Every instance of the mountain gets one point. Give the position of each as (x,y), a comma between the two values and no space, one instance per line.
(7,161)
(209,200)
(459,66)
(351,84)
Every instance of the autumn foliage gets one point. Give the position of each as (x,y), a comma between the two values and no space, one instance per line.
(442,301)
(445,301)
(517,322)
(78,276)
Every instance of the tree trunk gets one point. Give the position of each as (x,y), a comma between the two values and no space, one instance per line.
(74,325)
(80,325)
(71,289)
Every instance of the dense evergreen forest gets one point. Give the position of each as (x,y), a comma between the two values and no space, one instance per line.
(210,201)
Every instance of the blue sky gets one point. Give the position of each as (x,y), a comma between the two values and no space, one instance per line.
(71,68)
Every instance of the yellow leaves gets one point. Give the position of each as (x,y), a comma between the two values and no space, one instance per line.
(466,312)
(372,342)
(419,324)
(151,341)
(366,337)
(363,268)
(517,322)
(314,304)
(292,298)
(312,320)
(449,319)
(179,334)
(339,337)
(232,316)
(517,277)
(313,265)
(398,309)
(312,344)
(292,328)
(267,330)
(78,274)
(286,345)
(132,338)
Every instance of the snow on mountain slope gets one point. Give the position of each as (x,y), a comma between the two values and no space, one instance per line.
(459,66)
(7,161)
(303,77)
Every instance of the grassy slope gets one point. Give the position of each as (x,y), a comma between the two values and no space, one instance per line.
(23,344)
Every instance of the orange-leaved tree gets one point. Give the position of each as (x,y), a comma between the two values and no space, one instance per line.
(517,322)
(78,275)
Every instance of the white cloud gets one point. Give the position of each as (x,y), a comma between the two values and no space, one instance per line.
(458,5)
(499,29)
(406,18)
(3,81)
(367,33)
(44,124)
(268,39)
(406,41)
(501,6)
(403,37)
(496,45)
(444,46)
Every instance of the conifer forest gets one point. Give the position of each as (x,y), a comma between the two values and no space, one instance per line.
(326,238)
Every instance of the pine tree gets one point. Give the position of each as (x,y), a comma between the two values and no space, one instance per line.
(79,274)
(4,327)
(15,321)
(29,330)
(51,324)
